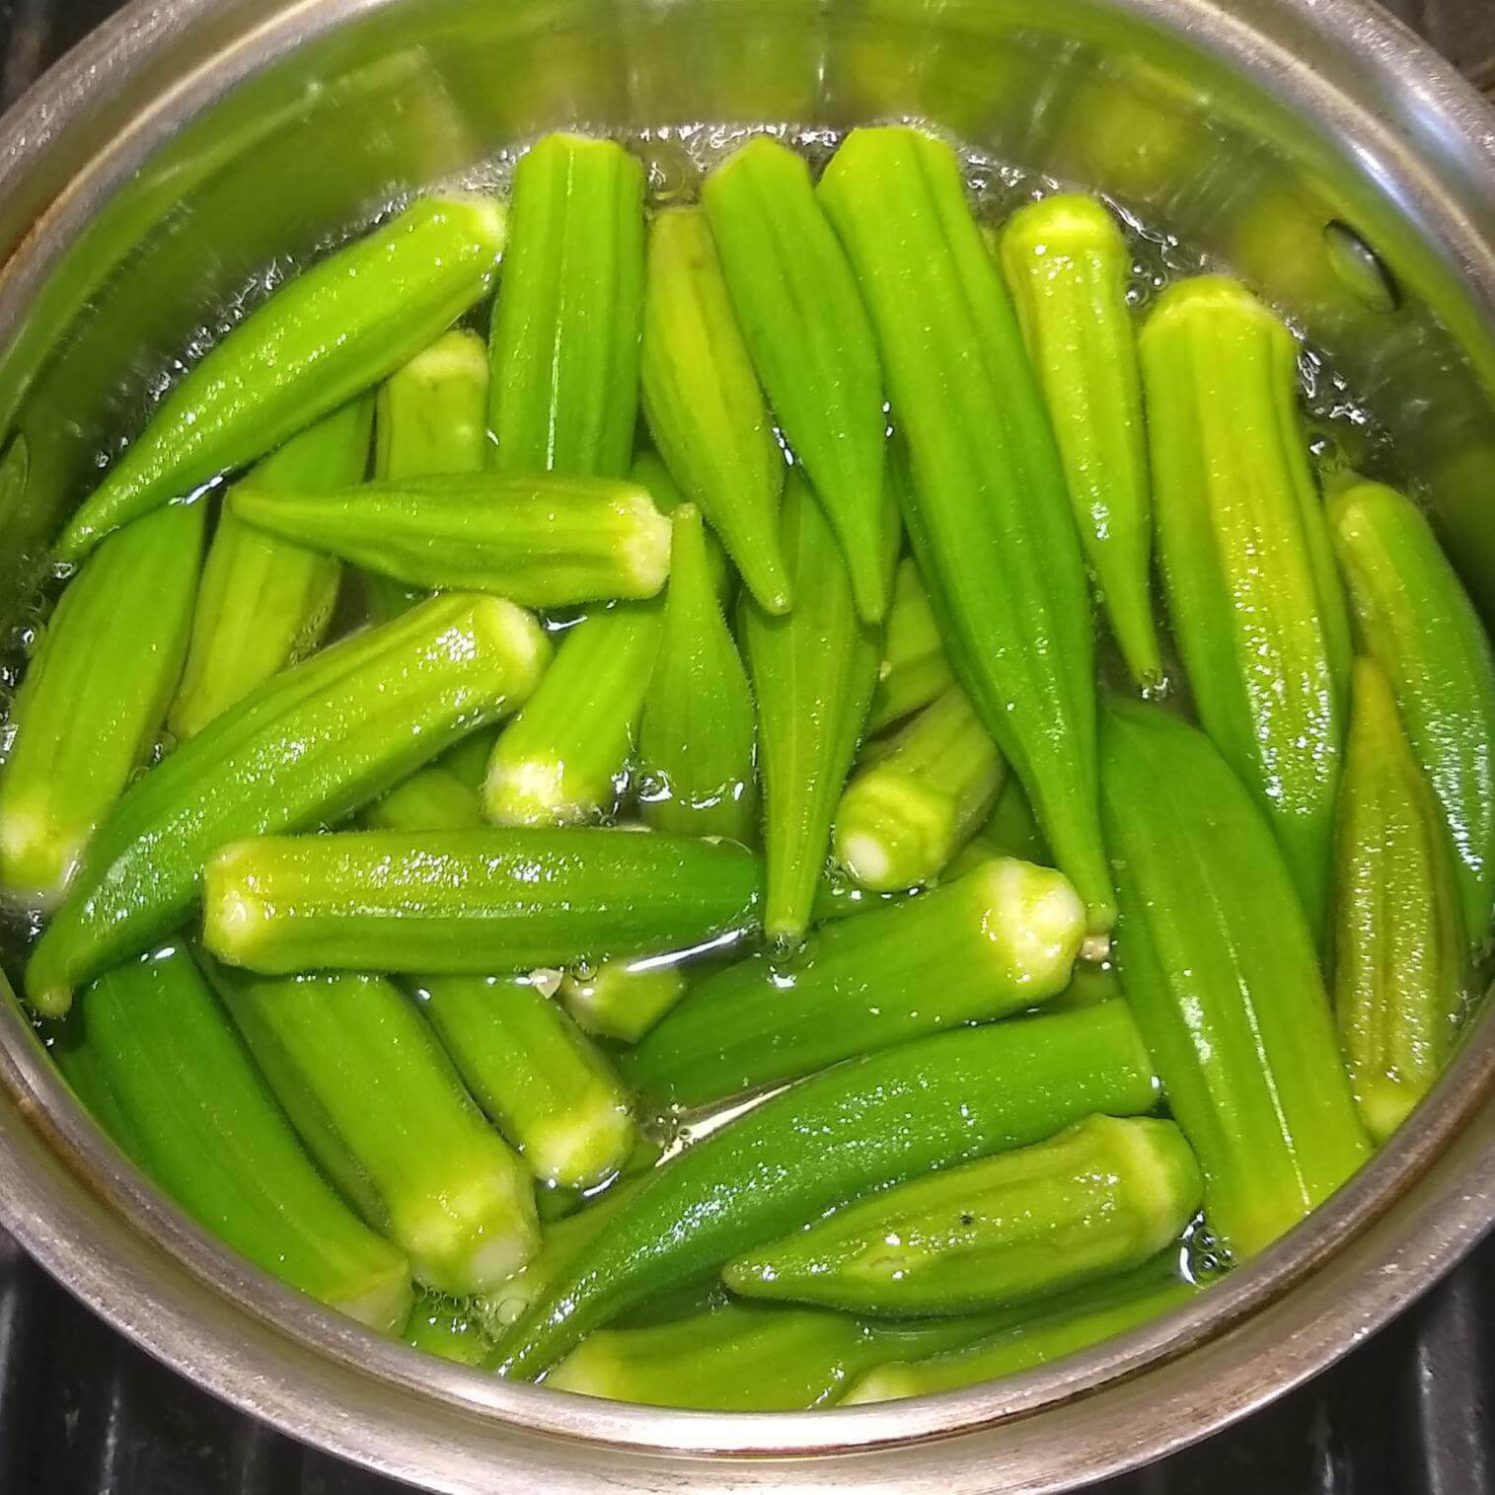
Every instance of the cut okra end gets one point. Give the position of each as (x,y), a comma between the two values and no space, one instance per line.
(39,853)
(534,791)
(622,999)
(892,832)
(1035,925)
(517,640)
(584,1145)
(483,1234)
(1066,223)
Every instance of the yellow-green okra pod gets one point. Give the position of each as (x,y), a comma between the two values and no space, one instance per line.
(922,795)
(540,541)
(324,337)
(265,602)
(1102,1197)
(803,320)
(90,706)
(985,502)
(696,738)
(543,1083)
(451,1328)
(464,903)
(1398,935)
(813,672)
(1220,967)
(1258,614)
(565,758)
(622,999)
(996,941)
(306,748)
(567,322)
(204,1126)
(914,669)
(431,416)
(434,799)
(380,1107)
(1415,618)
(1067,265)
(704,408)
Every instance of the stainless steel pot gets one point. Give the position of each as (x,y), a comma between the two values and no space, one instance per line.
(149,181)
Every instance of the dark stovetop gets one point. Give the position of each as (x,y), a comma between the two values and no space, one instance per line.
(82,1412)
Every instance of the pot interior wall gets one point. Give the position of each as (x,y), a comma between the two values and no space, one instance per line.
(401,94)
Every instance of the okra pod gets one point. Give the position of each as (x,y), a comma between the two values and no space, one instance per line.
(540,1080)
(1415,618)
(813,671)
(998,940)
(1220,966)
(650,473)
(1259,622)
(463,903)
(569,314)
(1011,832)
(266,602)
(1067,265)
(986,508)
(307,747)
(321,339)
(623,999)
(1102,1197)
(1067,1327)
(566,757)
(451,1328)
(541,541)
(204,1126)
(920,798)
(380,1107)
(704,408)
(431,417)
(1398,935)
(432,800)
(803,320)
(914,670)
(865,1124)
(697,734)
(747,1357)
(91,703)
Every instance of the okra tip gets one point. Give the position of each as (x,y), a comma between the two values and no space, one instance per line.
(646,549)
(1066,223)
(487,217)
(1204,295)
(234,914)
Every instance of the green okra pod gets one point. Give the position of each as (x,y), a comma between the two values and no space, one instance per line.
(747,1357)
(1012,831)
(305,748)
(266,602)
(985,502)
(451,1328)
(803,320)
(566,757)
(623,999)
(324,337)
(704,408)
(1415,618)
(1102,1197)
(544,1085)
(1000,939)
(1067,264)
(463,903)
(204,1126)
(1259,621)
(432,800)
(1064,1328)
(1220,967)
(88,711)
(1398,935)
(914,670)
(541,541)
(920,798)
(380,1107)
(862,1125)
(431,416)
(813,672)
(569,313)
(696,737)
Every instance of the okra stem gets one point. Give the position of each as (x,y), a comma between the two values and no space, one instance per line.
(266,602)
(323,338)
(462,903)
(998,940)
(90,706)
(305,748)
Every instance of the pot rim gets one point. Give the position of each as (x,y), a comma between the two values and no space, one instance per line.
(109,1236)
